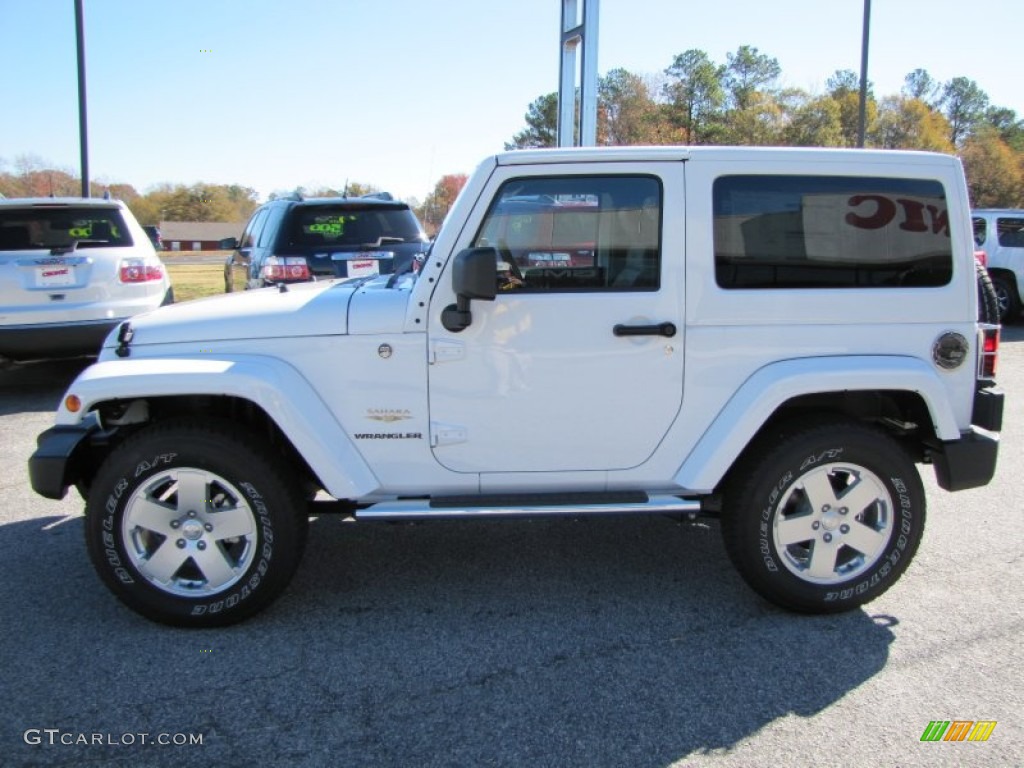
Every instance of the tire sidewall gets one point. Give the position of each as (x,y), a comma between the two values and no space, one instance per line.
(278,539)
(754,549)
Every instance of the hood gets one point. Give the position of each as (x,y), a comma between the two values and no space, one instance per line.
(304,309)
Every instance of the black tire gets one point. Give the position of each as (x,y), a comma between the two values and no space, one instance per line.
(224,563)
(1006,297)
(988,300)
(168,297)
(785,501)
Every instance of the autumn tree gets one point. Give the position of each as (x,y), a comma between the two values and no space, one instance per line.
(440,201)
(759,123)
(198,202)
(909,123)
(844,88)
(626,112)
(815,123)
(1006,124)
(995,175)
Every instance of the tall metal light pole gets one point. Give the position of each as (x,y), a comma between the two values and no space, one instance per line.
(83,129)
(862,112)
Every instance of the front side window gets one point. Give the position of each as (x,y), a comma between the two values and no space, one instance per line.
(60,226)
(830,232)
(578,233)
(1010,231)
(253,229)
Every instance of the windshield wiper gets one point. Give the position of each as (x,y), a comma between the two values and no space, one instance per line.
(384,239)
(60,250)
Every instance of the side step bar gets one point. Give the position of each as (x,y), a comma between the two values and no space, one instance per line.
(534,505)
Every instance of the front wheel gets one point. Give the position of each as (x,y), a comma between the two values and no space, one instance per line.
(192,525)
(824,518)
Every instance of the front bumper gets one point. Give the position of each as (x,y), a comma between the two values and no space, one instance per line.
(56,462)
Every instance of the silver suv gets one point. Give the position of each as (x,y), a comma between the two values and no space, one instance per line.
(71,269)
(1000,233)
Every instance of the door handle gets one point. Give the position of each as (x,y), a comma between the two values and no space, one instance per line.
(661,329)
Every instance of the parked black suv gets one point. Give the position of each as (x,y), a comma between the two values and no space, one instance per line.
(296,240)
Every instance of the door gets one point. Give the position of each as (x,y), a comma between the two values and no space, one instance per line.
(578,362)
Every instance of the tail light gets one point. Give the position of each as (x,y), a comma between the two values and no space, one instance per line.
(982,258)
(285,268)
(140,271)
(989,351)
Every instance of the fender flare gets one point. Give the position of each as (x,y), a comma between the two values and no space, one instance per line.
(770,387)
(276,387)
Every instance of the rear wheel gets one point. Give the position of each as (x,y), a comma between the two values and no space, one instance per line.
(191,525)
(824,518)
(988,299)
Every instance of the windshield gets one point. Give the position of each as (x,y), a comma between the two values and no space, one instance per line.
(341,225)
(59,227)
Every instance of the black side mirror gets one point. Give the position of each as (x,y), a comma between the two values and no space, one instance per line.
(228,244)
(474,276)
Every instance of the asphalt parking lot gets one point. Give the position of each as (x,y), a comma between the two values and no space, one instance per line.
(604,642)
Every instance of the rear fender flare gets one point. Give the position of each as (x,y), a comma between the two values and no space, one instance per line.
(772,386)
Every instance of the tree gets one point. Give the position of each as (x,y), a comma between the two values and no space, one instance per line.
(541,124)
(439,202)
(964,104)
(995,176)
(1010,129)
(843,81)
(844,88)
(358,189)
(909,123)
(760,123)
(696,96)
(199,202)
(922,86)
(748,72)
(816,123)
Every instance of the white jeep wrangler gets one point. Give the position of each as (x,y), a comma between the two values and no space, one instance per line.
(774,337)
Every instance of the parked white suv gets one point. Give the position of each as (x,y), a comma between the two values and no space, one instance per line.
(71,269)
(772,337)
(999,232)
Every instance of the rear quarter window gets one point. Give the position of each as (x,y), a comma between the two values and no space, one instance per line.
(830,232)
(1010,231)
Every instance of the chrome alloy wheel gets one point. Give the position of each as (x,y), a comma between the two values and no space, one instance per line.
(833,523)
(189,532)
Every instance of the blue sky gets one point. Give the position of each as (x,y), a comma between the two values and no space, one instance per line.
(278,93)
